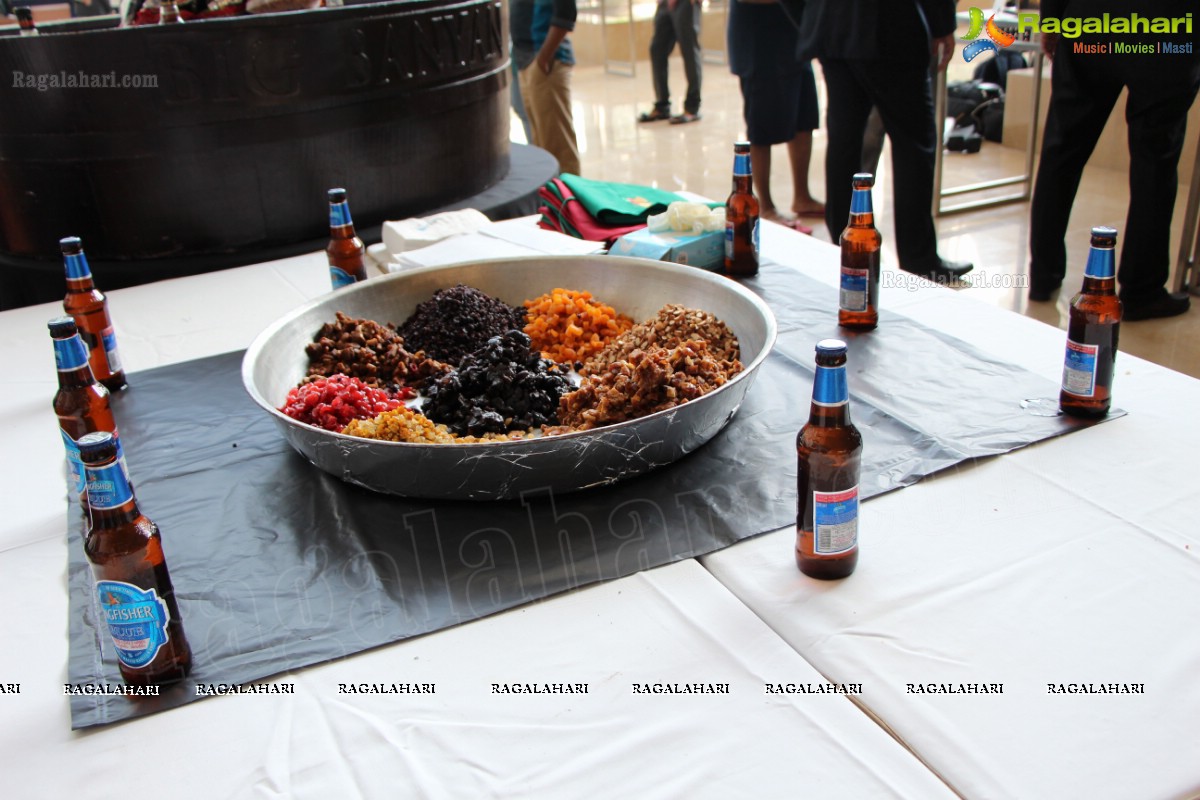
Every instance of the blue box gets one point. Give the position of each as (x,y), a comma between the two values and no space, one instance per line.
(703,250)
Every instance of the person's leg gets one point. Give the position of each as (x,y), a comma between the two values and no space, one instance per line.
(872,143)
(661,45)
(760,166)
(518,103)
(800,145)
(1079,107)
(556,124)
(845,120)
(904,97)
(800,156)
(766,125)
(687,31)
(527,95)
(1157,120)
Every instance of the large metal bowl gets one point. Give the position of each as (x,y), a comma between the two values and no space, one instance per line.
(276,362)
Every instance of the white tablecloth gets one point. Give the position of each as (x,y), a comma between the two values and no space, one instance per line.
(1071,561)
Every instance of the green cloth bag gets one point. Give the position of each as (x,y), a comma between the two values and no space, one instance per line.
(618,203)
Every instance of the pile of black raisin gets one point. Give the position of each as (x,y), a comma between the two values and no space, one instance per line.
(458,321)
(503,386)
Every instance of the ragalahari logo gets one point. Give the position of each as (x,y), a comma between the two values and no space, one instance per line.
(995,35)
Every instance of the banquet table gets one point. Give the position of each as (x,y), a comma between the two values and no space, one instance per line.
(1071,562)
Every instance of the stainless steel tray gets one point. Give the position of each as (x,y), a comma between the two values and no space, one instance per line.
(276,361)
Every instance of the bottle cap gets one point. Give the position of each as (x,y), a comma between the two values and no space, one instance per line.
(831,347)
(862,180)
(97,447)
(741,147)
(71,245)
(62,327)
(337,195)
(1104,236)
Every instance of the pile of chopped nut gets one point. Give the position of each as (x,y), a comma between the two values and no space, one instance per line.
(645,382)
(673,325)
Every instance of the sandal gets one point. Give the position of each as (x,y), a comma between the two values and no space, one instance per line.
(655,115)
(685,118)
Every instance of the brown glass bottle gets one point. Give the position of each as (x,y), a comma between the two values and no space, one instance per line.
(137,599)
(858,299)
(89,308)
(81,402)
(345,251)
(829,458)
(1093,326)
(25,21)
(741,218)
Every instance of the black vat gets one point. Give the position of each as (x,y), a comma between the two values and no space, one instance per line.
(209,144)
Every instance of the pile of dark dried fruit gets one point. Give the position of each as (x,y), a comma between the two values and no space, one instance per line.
(501,387)
(458,321)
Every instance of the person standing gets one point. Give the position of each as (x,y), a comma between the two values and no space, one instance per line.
(675,21)
(878,53)
(545,61)
(779,101)
(1084,88)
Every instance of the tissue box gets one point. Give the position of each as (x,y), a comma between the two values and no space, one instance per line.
(704,250)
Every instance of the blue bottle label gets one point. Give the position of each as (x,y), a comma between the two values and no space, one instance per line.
(339,214)
(1079,371)
(860,202)
(75,463)
(853,294)
(754,234)
(77,267)
(339,277)
(829,388)
(70,354)
(108,486)
(741,165)
(110,349)
(835,521)
(137,621)
(1100,263)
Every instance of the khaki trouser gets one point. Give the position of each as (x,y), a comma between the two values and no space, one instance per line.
(548,103)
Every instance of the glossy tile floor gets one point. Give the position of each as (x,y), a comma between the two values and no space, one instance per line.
(698,158)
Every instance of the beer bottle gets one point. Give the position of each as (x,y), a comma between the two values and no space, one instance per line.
(1093,323)
(858,300)
(829,456)
(741,218)
(81,403)
(124,548)
(168,12)
(89,307)
(345,252)
(25,21)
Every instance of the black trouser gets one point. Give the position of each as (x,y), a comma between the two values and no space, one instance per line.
(904,97)
(1084,90)
(682,25)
